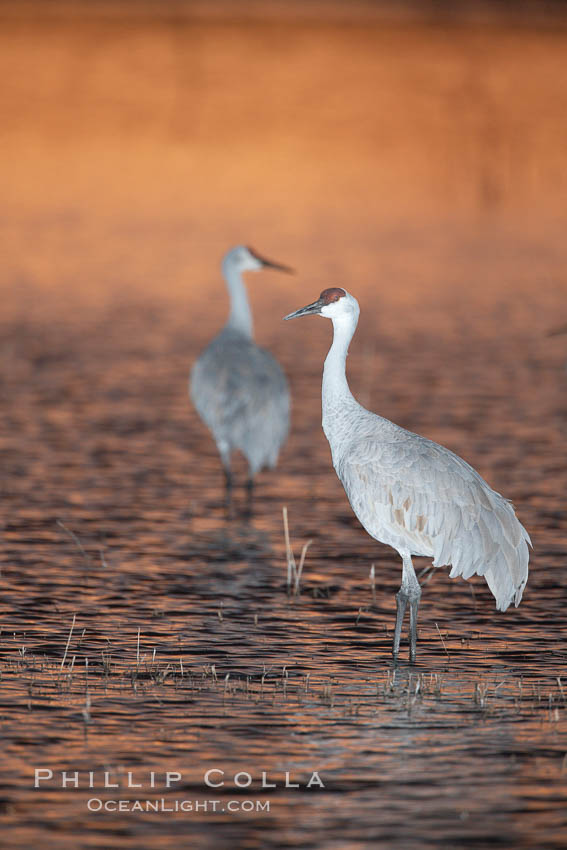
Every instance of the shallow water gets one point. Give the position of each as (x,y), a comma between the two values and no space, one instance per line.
(186,652)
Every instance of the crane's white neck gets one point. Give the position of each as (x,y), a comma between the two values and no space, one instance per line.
(337,397)
(240,316)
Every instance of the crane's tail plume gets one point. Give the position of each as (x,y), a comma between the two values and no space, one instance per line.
(495,546)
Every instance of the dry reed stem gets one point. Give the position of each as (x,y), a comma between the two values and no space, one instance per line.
(75,540)
(443,642)
(288,551)
(300,567)
(292,569)
(68,642)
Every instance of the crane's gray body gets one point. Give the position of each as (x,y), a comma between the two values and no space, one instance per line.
(238,388)
(422,499)
(242,396)
(411,493)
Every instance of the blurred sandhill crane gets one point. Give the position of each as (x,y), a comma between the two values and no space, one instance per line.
(412,493)
(238,388)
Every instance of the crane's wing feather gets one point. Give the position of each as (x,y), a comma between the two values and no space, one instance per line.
(414,490)
(241,393)
(254,386)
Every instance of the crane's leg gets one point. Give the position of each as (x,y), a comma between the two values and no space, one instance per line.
(224,452)
(249,496)
(228,487)
(410,591)
(401,602)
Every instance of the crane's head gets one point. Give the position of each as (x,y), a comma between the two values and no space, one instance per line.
(246,259)
(334,303)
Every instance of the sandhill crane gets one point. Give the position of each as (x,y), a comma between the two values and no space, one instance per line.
(412,493)
(238,388)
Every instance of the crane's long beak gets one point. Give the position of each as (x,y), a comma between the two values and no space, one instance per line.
(311,310)
(270,264)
